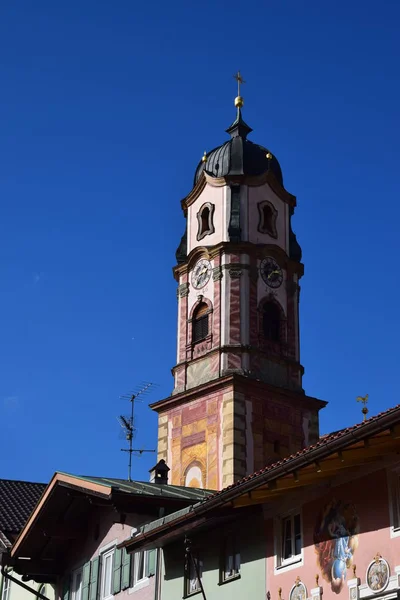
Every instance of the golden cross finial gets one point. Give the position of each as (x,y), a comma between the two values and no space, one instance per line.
(364,400)
(239,80)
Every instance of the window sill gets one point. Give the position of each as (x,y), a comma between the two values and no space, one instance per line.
(289,564)
(192,594)
(394,532)
(229,579)
(139,585)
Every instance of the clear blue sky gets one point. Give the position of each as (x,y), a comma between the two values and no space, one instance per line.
(106,108)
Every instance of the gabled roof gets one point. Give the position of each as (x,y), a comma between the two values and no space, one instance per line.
(366,441)
(17,500)
(64,510)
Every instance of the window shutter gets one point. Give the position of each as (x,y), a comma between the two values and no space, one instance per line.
(151,563)
(126,569)
(66,588)
(117,571)
(94,578)
(85,581)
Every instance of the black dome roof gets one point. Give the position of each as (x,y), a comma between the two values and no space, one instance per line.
(239,156)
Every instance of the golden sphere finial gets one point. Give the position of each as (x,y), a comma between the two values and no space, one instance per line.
(239,101)
(269,155)
(204,157)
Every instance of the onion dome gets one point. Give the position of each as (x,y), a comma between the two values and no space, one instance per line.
(239,156)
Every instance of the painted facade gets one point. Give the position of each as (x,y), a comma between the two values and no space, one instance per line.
(238,401)
(350,546)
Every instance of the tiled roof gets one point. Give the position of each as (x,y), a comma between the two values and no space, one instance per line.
(377,423)
(323,441)
(17,500)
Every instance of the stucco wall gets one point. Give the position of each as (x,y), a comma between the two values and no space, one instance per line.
(251,583)
(362,503)
(18,593)
(104,530)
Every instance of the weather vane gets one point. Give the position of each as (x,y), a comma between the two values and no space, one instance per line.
(239,80)
(364,409)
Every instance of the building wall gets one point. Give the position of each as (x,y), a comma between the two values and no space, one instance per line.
(16,592)
(208,546)
(361,506)
(104,532)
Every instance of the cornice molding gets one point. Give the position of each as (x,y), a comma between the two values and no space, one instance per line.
(252,181)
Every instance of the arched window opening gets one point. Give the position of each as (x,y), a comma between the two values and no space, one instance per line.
(268,215)
(271,322)
(200,323)
(205,220)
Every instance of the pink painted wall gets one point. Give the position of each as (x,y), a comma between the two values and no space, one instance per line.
(366,499)
(102,521)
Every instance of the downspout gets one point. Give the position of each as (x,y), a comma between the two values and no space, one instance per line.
(23,585)
(157,586)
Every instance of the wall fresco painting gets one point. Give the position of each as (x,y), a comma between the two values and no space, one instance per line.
(298,591)
(378,574)
(336,540)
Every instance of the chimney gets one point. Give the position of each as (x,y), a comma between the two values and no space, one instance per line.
(159,473)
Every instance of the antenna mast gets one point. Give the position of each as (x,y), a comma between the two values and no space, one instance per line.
(127,424)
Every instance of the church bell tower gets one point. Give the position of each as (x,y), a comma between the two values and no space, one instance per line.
(238,402)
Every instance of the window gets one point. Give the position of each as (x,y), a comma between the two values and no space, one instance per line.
(194,568)
(76,588)
(200,323)
(268,215)
(271,321)
(140,567)
(42,589)
(290,540)
(107,560)
(394,490)
(230,560)
(6,589)
(205,220)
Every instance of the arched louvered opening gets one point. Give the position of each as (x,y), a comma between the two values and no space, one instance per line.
(271,322)
(200,323)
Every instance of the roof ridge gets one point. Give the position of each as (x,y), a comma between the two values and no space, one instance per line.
(22,481)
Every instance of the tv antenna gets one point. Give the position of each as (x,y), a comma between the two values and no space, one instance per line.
(127,423)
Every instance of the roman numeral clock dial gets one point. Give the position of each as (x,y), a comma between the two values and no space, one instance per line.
(271,272)
(201,274)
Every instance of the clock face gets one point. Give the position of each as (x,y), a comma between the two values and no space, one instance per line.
(201,273)
(271,272)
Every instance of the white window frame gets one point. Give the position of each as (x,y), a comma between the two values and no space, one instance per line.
(296,560)
(188,579)
(393,478)
(136,580)
(102,571)
(5,592)
(230,551)
(76,594)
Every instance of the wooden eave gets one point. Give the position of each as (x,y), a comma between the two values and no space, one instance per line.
(373,450)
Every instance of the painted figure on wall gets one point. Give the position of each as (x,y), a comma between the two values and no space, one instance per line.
(335,539)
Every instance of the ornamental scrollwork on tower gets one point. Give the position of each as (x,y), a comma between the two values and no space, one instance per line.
(217,273)
(235,271)
(183,290)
